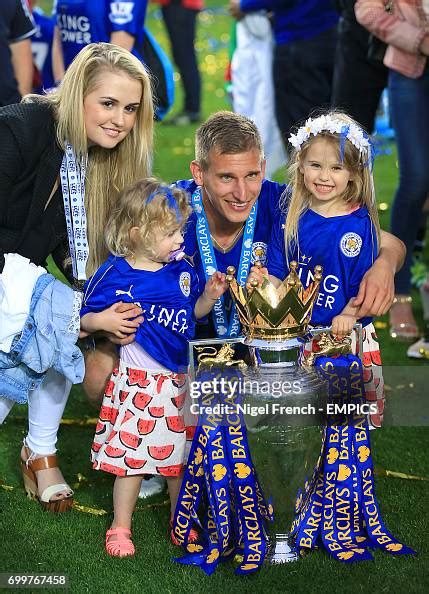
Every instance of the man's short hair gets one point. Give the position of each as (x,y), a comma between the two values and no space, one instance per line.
(227,133)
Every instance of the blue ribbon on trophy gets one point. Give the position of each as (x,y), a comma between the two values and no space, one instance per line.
(220,484)
(340,509)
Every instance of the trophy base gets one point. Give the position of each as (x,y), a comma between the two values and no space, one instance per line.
(281,550)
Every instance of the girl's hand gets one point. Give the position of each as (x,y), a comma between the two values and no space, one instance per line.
(259,273)
(342,325)
(216,286)
(114,321)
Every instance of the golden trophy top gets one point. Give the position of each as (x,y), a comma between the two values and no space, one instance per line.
(274,313)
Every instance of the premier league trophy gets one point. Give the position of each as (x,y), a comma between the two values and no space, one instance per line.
(268,467)
(281,398)
(285,398)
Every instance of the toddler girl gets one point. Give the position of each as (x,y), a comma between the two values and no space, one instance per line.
(141,428)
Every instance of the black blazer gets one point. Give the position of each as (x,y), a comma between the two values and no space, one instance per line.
(30,161)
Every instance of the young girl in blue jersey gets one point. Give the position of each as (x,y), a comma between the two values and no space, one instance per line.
(141,428)
(332,220)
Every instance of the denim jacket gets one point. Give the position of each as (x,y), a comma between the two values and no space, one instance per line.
(48,339)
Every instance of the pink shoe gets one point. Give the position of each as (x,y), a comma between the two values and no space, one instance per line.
(121,547)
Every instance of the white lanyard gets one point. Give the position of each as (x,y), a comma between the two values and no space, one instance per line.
(73,186)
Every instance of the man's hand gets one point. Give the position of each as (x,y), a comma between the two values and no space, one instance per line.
(424,46)
(376,290)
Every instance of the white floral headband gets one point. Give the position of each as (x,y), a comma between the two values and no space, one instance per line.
(327,123)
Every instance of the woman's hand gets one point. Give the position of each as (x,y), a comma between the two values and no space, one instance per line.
(119,322)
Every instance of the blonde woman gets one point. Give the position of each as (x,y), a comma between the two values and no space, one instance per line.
(70,152)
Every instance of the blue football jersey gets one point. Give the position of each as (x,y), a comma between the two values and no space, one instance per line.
(41,47)
(90,21)
(346,247)
(167,298)
(268,213)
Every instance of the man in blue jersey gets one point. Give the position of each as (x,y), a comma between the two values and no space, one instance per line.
(80,22)
(305,34)
(41,46)
(225,230)
(232,223)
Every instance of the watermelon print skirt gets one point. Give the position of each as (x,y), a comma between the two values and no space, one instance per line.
(372,369)
(141,428)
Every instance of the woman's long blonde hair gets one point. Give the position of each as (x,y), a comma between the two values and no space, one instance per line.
(109,170)
(359,192)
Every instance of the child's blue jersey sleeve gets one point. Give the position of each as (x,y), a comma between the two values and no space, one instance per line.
(94,291)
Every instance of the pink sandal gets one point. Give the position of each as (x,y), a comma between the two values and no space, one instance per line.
(123,546)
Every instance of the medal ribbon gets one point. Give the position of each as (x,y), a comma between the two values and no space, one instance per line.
(205,245)
(72,175)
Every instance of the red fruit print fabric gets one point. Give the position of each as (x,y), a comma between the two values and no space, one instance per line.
(372,370)
(141,428)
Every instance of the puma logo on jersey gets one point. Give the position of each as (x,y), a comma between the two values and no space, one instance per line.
(119,292)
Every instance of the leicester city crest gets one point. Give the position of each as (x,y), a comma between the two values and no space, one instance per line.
(259,252)
(121,12)
(350,244)
(185,283)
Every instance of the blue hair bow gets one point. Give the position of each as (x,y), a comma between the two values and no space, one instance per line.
(343,137)
(370,152)
(169,196)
